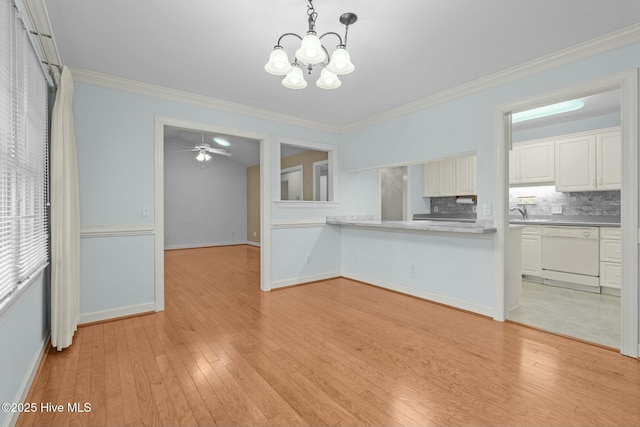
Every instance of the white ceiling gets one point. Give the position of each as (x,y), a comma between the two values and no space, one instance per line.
(403,50)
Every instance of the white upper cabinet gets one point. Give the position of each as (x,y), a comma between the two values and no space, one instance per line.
(452,176)
(532,163)
(466,175)
(576,163)
(431,179)
(589,162)
(448,177)
(608,160)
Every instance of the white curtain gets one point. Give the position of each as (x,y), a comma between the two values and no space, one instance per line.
(65,218)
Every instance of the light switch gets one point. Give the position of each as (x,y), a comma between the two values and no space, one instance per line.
(146,209)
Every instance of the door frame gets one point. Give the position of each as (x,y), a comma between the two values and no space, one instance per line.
(627,83)
(265,197)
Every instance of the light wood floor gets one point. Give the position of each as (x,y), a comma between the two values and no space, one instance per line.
(330,353)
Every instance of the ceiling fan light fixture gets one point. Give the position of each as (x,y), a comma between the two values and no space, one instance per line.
(312,52)
(295,79)
(203,156)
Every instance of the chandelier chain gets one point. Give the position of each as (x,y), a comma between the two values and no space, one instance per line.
(313,15)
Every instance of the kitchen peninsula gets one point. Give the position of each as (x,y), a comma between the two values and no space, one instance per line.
(425,262)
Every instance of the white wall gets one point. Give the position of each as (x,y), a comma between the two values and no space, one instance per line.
(457,126)
(205,202)
(115,139)
(24,331)
(457,270)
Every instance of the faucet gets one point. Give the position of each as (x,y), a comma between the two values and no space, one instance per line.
(522,211)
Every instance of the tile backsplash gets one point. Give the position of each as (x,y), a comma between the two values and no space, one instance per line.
(448,205)
(601,203)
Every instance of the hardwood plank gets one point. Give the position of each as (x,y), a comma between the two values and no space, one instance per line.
(113,391)
(335,352)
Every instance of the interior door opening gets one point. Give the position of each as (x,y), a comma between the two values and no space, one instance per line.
(211,189)
(555,190)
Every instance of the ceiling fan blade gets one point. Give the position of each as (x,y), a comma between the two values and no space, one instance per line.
(219,151)
(182,151)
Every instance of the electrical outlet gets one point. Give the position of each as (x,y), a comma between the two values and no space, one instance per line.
(254,234)
(146,209)
(556,209)
(435,209)
(486,209)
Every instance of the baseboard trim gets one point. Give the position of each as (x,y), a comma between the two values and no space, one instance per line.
(25,387)
(99,316)
(303,280)
(440,299)
(204,245)
(250,243)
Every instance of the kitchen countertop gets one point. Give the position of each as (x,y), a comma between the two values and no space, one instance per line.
(564,220)
(451,226)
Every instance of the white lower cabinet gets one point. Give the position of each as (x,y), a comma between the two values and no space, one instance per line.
(610,259)
(532,250)
(610,256)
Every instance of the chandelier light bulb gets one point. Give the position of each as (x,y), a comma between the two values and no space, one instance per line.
(295,79)
(278,64)
(340,62)
(311,51)
(328,80)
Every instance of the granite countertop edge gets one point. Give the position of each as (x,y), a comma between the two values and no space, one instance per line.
(451,226)
(574,221)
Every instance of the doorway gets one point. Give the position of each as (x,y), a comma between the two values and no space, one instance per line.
(161,124)
(393,193)
(626,84)
(562,288)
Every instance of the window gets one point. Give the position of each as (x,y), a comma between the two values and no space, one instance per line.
(23,156)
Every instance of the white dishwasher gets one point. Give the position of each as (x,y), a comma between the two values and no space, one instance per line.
(571,255)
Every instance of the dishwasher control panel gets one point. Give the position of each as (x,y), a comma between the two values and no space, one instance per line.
(571,232)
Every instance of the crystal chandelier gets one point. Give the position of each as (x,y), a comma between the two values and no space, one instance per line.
(312,52)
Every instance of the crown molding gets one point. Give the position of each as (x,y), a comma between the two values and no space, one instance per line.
(141,88)
(593,47)
(590,48)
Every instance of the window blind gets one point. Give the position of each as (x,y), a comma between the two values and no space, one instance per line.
(23,155)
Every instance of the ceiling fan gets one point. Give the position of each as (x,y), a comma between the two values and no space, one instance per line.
(203,149)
